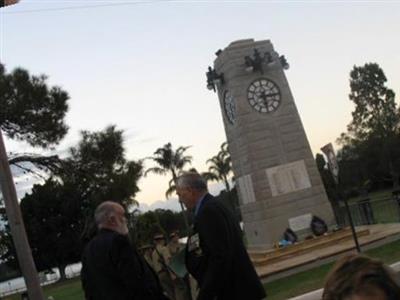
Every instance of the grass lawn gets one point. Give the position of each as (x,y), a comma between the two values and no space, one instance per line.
(313,279)
(297,284)
(67,290)
(280,289)
(376,195)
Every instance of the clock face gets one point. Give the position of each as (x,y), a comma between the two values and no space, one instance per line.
(264,95)
(230,107)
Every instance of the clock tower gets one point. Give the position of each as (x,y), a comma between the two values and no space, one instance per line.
(278,183)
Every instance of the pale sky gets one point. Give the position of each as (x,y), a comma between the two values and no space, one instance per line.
(141,64)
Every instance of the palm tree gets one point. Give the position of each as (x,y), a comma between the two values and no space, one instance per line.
(220,166)
(172,187)
(170,161)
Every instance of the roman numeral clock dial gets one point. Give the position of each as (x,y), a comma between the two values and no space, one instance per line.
(264,95)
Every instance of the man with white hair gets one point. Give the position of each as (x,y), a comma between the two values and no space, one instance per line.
(112,268)
(215,253)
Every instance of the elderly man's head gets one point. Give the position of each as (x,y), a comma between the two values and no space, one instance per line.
(111,215)
(190,187)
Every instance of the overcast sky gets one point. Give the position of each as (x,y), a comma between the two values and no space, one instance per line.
(141,64)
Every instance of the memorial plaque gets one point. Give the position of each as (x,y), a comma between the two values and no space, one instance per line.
(288,178)
(300,222)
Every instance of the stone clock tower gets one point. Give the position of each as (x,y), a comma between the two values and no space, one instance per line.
(278,183)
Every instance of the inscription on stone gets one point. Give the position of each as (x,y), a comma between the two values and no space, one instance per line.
(288,178)
(246,189)
(300,222)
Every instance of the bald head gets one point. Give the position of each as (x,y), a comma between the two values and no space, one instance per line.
(111,215)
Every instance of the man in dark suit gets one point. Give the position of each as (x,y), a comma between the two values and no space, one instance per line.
(111,266)
(215,253)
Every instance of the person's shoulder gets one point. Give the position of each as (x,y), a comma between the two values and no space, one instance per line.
(120,238)
(210,203)
(210,206)
(214,209)
(110,236)
(104,239)
(107,233)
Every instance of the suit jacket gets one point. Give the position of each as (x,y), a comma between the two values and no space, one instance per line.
(113,269)
(217,257)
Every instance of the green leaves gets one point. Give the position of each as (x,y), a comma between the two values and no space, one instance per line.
(30,110)
(370,145)
(220,166)
(170,161)
(375,111)
(59,214)
(98,167)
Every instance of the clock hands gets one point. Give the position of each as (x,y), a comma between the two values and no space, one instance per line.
(264,95)
(267,99)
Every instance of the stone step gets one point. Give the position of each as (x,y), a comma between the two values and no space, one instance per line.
(260,258)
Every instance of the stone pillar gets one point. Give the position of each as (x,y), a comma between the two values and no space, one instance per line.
(278,181)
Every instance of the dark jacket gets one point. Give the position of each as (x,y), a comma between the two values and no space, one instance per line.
(217,257)
(113,269)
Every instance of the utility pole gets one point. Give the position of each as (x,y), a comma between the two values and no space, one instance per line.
(17,227)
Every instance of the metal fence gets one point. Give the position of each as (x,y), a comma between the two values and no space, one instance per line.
(17,285)
(377,211)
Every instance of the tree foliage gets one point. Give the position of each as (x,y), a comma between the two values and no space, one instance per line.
(33,112)
(157,221)
(7,250)
(53,226)
(220,167)
(98,168)
(375,113)
(30,110)
(370,145)
(169,161)
(58,215)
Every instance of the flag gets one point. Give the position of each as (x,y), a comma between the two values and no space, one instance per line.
(332,161)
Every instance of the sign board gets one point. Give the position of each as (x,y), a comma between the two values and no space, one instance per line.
(300,222)
(332,161)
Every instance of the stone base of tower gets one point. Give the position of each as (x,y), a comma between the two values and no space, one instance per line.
(264,222)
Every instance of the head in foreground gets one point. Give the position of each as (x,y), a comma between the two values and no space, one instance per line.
(357,277)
